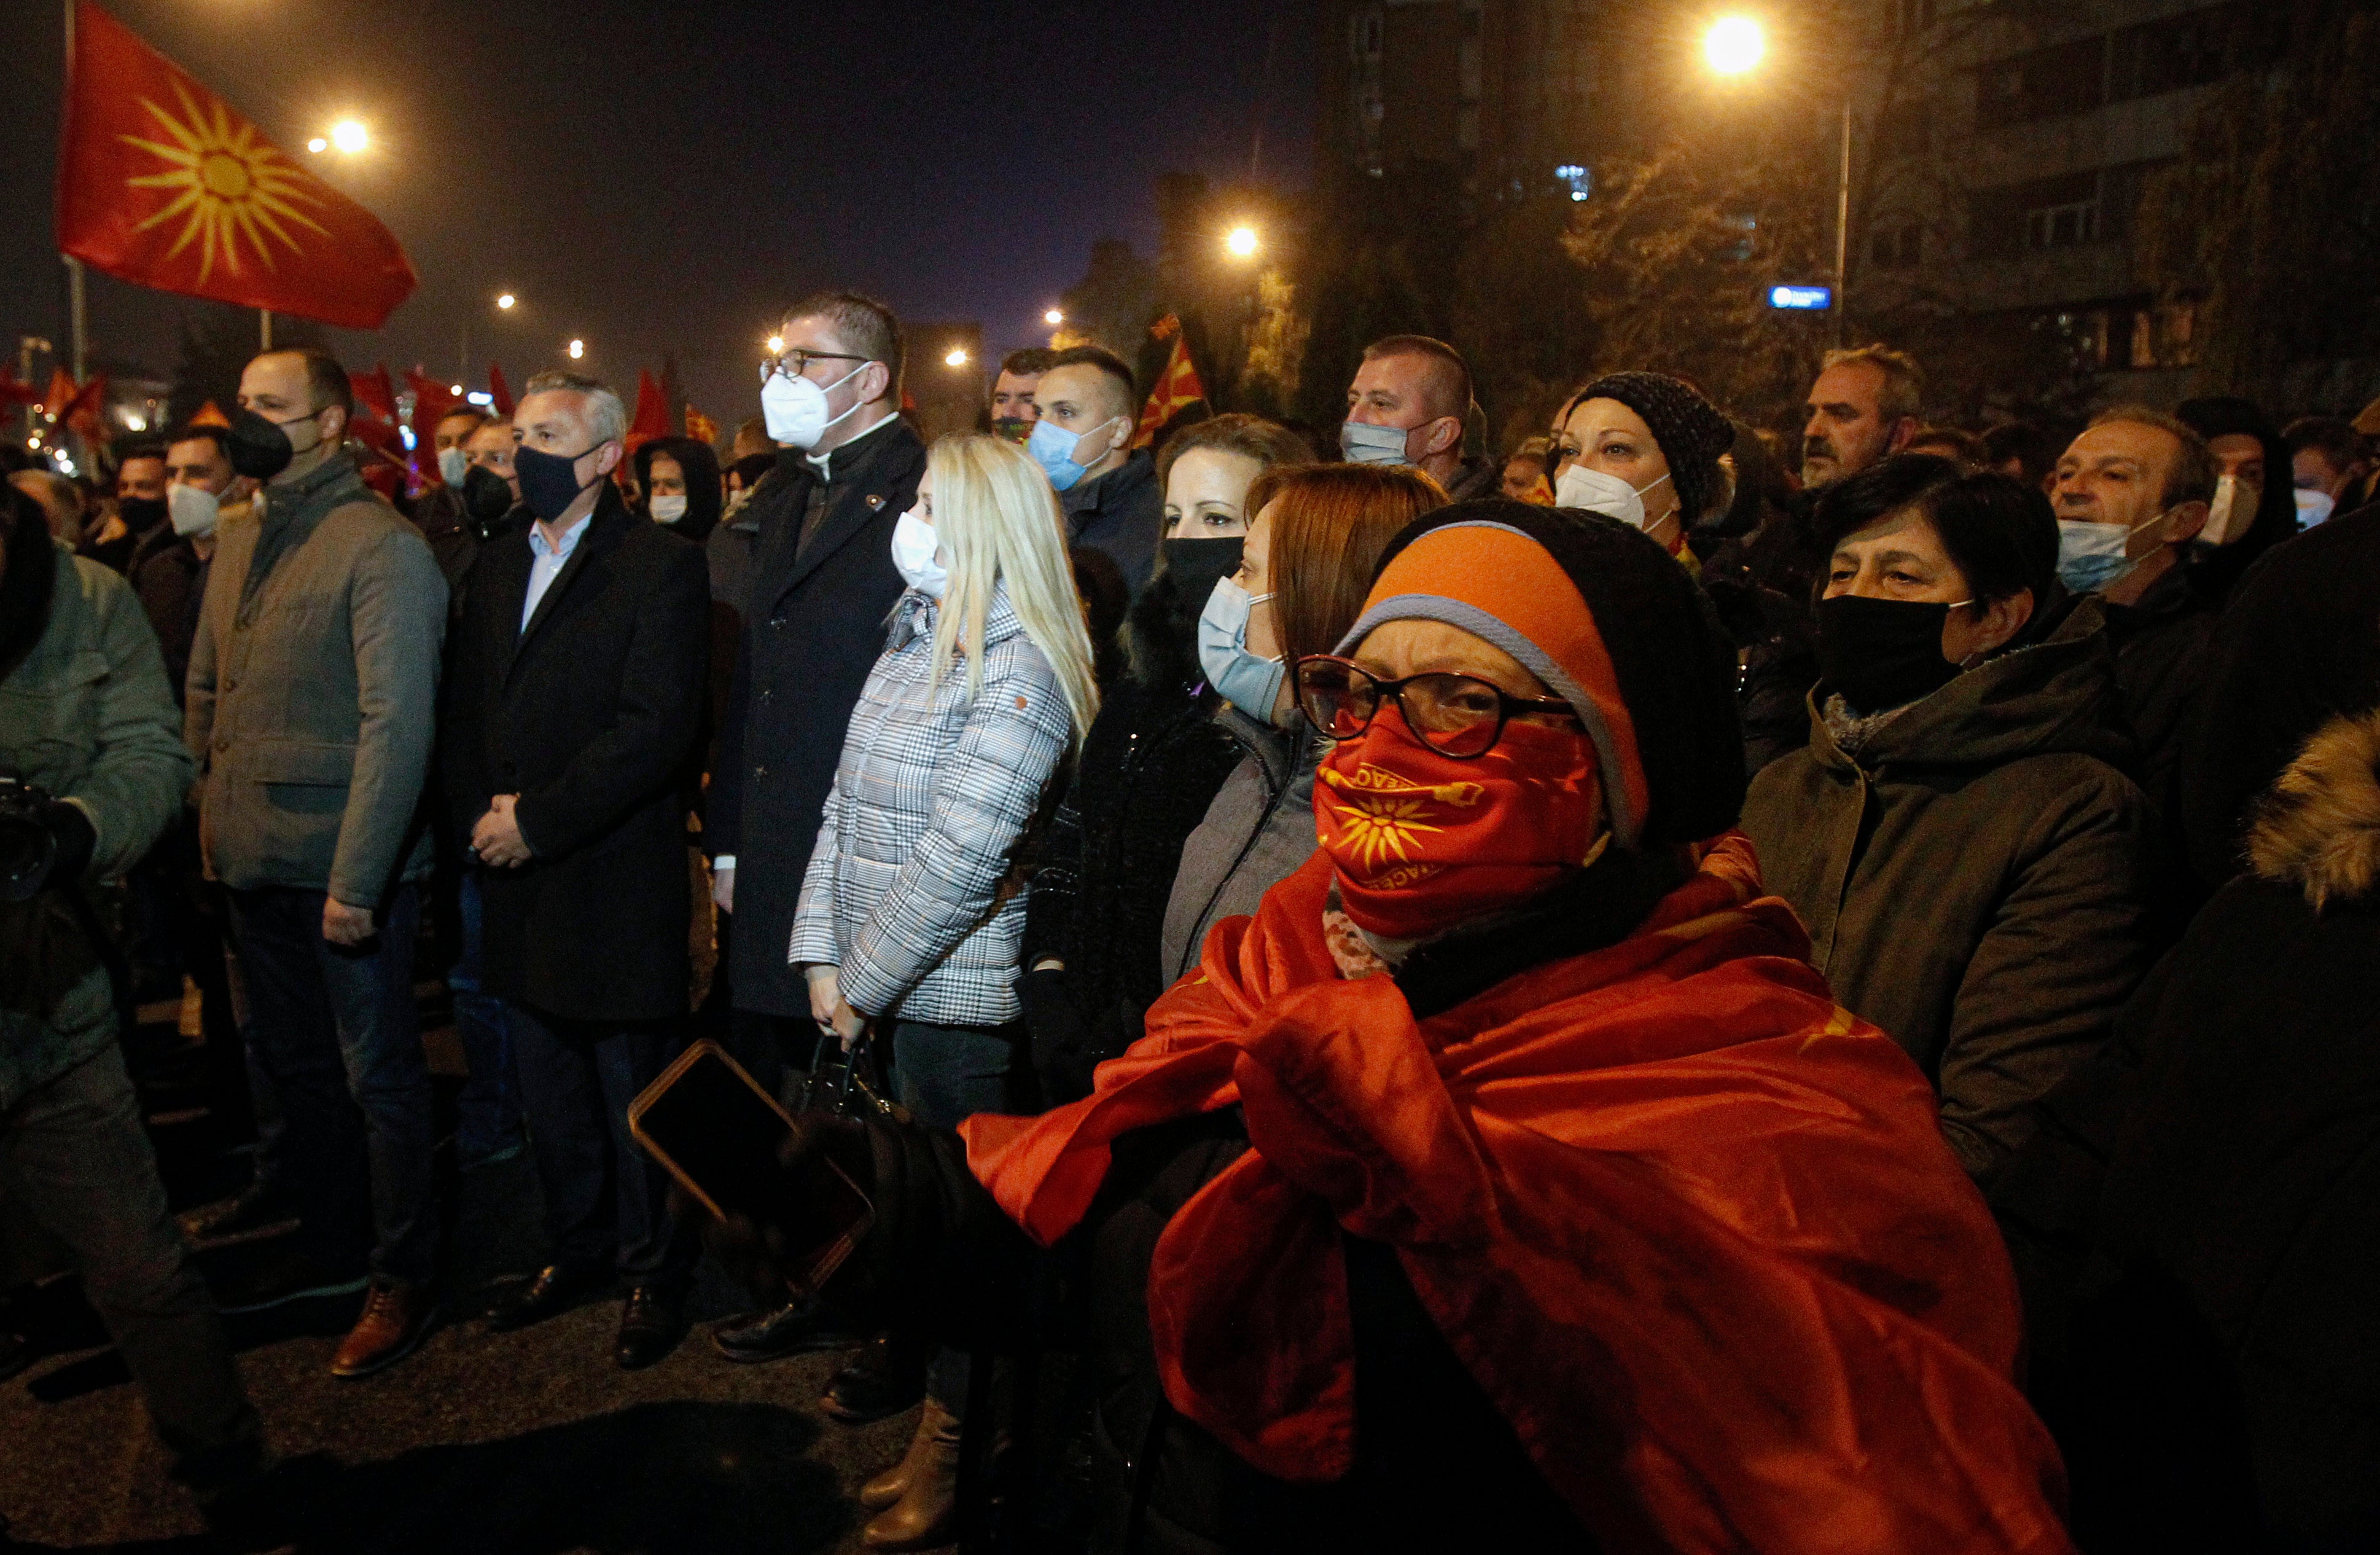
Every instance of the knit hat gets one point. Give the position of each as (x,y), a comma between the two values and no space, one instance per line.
(1612,625)
(1692,433)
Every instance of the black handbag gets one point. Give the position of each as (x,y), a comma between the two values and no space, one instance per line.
(847,1082)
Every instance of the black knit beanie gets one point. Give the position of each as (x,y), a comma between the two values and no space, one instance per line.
(1692,433)
(1675,667)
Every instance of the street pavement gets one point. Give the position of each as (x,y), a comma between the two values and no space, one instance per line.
(526,1443)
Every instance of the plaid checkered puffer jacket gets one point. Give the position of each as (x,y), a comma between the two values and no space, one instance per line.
(908,893)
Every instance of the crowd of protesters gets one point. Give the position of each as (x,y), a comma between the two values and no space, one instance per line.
(1679,988)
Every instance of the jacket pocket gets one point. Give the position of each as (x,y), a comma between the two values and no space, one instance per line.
(312,762)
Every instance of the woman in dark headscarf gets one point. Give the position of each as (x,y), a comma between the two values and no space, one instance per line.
(684,492)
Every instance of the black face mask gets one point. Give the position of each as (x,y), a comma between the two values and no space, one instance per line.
(1017,428)
(1881,654)
(260,449)
(549,482)
(486,496)
(142,514)
(1196,566)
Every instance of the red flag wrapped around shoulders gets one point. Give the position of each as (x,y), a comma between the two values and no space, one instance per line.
(1691,1226)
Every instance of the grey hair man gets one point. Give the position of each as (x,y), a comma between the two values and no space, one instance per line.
(1866,402)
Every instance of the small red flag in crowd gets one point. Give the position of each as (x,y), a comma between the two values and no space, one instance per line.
(700,427)
(210,414)
(1177,389)
(160,182)
(377,393)
(499,392)
(652,417)
(13,391)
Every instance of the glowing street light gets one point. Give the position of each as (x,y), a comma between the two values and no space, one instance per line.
(1733,46)
(317,145)
(577,350)
(350,137)
(1053,317)
(958,356)
(1241,241)
(776,344)
(506,300)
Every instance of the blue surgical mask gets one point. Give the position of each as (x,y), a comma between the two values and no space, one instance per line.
(1053,448)
(1364,443)
(2313,508)
(1248,683)
(2093,556)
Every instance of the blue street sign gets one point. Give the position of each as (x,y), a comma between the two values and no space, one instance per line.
(1811,298)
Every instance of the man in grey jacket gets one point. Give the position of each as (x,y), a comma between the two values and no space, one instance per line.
(86,723)
(311,707)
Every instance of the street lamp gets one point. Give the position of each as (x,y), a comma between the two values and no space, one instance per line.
(1241,241)
(505,300)
(318,144)
(776,344)
(1053,317)
(577,350)
(350,137)
(1733,46)
(958,356)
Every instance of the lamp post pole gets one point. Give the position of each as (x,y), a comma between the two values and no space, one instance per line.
(1843,232)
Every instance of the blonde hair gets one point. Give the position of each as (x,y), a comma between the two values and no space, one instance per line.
(999,522)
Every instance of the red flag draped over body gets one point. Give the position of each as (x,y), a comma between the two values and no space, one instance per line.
(161,183)
(1691,1226)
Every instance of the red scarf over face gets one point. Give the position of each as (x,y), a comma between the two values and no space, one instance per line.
(1691,1227)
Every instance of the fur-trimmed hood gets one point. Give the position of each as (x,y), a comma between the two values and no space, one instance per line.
(2319,827)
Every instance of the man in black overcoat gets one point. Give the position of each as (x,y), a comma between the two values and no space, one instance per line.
(823,582)
(572,735)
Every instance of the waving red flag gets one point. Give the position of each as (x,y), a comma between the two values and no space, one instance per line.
(499,391)
(652,418)
(12,392)
(210,414)
(376,393)
(82,412)
(1178,387)
(61,393)
(160,182)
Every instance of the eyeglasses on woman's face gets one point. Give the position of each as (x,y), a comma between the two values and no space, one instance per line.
(1457,715)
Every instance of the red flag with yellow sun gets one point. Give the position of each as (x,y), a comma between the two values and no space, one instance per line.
(161,183)
(1177,389)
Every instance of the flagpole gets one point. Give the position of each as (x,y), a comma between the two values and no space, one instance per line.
(264,329)
(74,266)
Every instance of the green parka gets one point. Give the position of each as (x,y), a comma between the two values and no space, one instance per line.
(87,715)
(1975,877)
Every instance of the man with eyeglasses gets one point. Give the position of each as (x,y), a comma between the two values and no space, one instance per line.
(823,580)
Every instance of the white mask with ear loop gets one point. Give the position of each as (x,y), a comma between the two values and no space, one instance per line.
(1582,486)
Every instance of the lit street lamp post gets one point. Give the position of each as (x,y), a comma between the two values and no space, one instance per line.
(1733,46)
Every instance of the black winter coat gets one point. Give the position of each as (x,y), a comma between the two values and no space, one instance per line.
(2299,645)
(172,583)
(593,715)
(814,630)
(2197,1227)
(1151,767)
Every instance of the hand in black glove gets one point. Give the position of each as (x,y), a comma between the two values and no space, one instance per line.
(757,1247)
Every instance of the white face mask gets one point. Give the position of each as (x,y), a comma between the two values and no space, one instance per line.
(668,510)
(191,510)
(452,464)
(794,408)
(2313,508)
(916,551)
(1584,487)
(1366,444)
(2233,511)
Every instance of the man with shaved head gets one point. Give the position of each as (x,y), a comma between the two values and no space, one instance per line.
(1410,404)
(1089,410)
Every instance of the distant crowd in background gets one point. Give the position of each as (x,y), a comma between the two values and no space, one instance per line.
(1677,979)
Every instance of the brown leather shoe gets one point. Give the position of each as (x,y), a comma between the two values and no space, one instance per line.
(395,1320)
(894,1483)
(926,1515)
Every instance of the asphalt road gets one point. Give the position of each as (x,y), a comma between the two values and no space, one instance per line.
(526,1443)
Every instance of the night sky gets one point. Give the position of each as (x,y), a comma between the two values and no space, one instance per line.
(667,177)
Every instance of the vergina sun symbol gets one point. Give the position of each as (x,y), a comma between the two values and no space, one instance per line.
(231,184)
